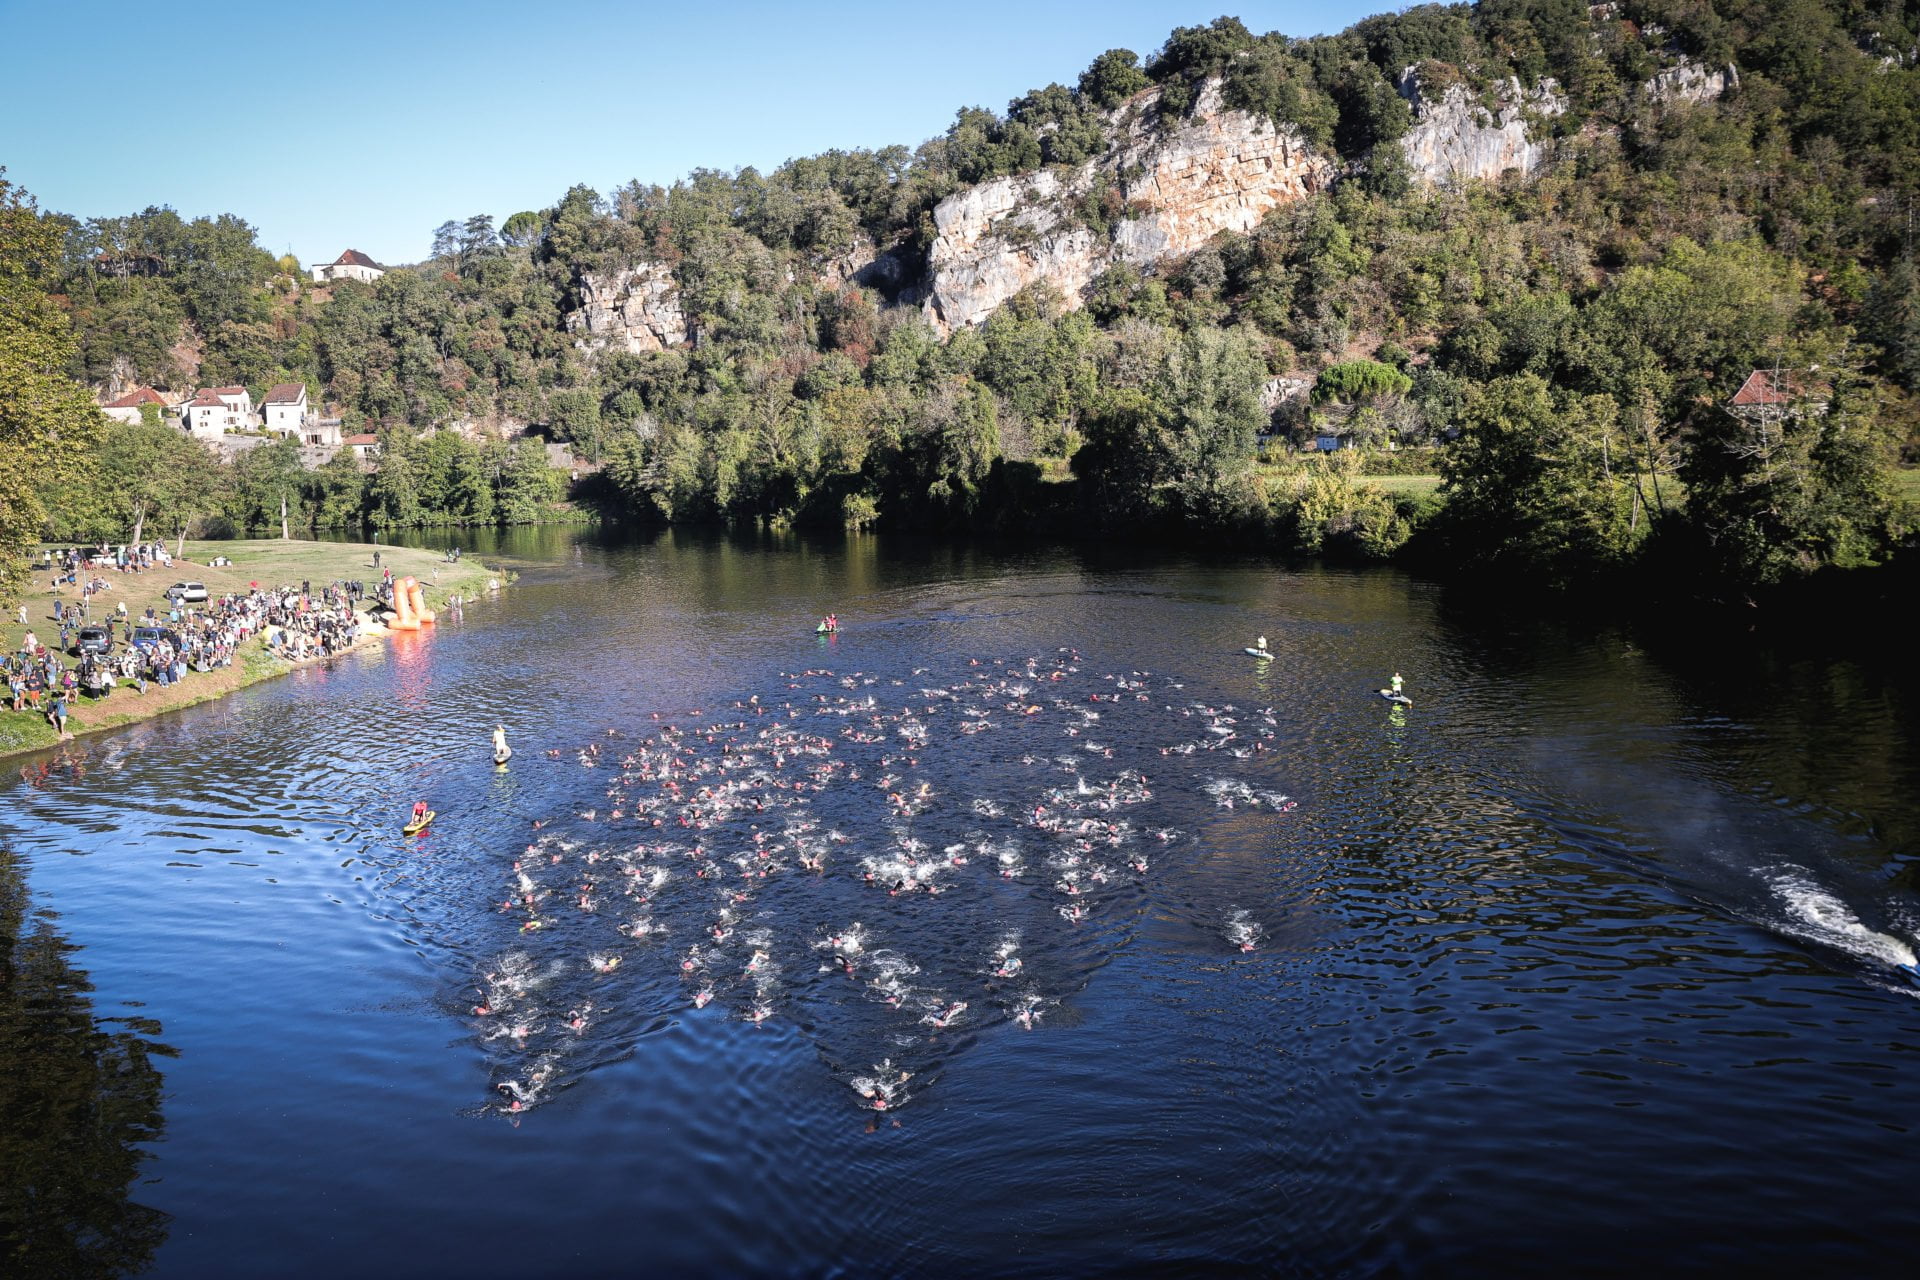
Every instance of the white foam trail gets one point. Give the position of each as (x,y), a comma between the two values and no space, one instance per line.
(1818,916)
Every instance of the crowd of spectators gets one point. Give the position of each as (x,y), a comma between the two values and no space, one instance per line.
(164,648)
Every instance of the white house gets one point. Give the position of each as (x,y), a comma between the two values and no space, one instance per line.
(285,409)
(127,407)
(214,411)
(365,446)
(351,265)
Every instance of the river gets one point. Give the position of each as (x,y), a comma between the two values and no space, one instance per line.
(1158,955)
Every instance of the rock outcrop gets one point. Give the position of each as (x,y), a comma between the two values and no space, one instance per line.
(1691,82)
(636,309)
(1219,170)
(1455,139)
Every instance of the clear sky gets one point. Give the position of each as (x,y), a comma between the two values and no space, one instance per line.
(367,123)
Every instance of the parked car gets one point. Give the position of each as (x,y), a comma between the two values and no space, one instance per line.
(94,640)
(148,637)
(188,592)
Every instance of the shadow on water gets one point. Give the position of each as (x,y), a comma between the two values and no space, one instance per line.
(79,1099)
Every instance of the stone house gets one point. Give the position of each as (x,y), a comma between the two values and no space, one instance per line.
(365,446)
(351,265)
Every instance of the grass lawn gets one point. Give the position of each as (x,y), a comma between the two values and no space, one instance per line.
(1906,484)
(269,562)
(1409,486)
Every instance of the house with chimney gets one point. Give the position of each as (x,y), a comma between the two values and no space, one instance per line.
(351,265)
(214,411)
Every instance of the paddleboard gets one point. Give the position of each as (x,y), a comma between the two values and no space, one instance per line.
(1258,653)
(1400,698)
(415,828)
(502,756)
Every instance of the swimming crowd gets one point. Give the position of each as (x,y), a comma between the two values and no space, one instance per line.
(161,648)
(731,828)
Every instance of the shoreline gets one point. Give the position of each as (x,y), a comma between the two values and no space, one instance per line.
(271,563)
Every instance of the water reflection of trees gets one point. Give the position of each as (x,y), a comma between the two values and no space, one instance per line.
(76,1101)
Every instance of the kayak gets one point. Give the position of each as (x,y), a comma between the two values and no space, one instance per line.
(1400,698)
(1258,653)
(418,825)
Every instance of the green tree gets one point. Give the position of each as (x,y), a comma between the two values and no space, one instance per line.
(48,423)
(1540,484)
(1113,77)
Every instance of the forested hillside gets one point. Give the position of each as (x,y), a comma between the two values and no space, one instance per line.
(1566,340)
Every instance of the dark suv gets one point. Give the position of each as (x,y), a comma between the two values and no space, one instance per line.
(94,640)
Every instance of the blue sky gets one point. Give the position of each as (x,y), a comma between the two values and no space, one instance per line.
(365,125)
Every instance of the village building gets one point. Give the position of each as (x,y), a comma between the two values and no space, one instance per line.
(127,407)
(1771,395)
(365,446)
(214,411)
(351,265)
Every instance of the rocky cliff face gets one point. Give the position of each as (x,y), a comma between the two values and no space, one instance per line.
(1690,81)
(1220,170)
(635,310)
(1455,139)
(1165,191)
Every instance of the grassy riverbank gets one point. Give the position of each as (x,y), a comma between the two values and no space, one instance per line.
(270,563)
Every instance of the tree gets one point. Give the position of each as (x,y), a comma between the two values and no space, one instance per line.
(47,421)
(446,240)
(1538,484)
(1114,77)
(523,230)
(1778,494)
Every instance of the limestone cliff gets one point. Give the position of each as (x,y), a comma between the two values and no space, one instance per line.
(636,309)
(1455,139)
(1219,170)
(1691,82)
(1161,190)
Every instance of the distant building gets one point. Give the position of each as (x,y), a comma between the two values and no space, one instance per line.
(351,265)
(127,407)
(365,446)
(285,410)
(1769,395)
(214,411)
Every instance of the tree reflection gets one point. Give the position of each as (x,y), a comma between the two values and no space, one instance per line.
(76,1102)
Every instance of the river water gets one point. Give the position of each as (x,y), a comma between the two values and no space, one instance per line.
(1158,956)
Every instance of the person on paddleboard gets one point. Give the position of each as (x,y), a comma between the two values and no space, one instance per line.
(1396,684)
(419,810)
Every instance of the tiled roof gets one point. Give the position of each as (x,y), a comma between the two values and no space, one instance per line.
(286,393)
(354,258)
(1765,387)
(223,391)
(365,437)
(135,398)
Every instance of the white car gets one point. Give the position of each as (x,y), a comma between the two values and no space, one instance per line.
(189,592)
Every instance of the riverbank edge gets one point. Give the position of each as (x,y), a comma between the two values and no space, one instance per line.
(252,663)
